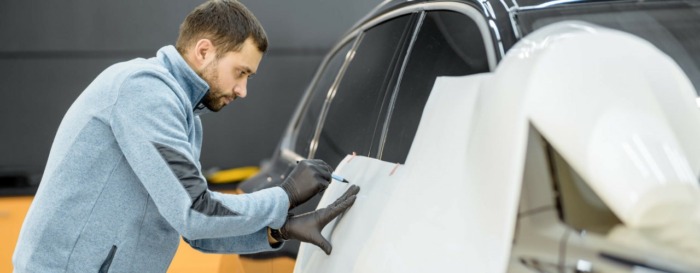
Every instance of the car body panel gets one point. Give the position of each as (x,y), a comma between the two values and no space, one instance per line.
(565,82)
(635,90)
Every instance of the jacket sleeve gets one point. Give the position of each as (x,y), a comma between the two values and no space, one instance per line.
(243,244)
(150,122)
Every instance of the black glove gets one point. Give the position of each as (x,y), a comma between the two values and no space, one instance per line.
(307,179)
(307,227)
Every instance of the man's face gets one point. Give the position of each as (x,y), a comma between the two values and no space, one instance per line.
(228,75)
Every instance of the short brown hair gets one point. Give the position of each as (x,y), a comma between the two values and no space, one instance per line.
(227,23)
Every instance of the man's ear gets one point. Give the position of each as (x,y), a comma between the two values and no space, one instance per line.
(204,51)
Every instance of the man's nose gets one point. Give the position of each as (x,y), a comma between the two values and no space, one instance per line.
(242,89)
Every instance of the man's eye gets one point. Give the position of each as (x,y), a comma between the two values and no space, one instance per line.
(243,73)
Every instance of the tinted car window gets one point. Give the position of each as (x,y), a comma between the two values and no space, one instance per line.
(671,27)
(448,44)
(309,119)
(351,122)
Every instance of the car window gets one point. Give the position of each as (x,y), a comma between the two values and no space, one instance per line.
(671,27)
(353,114)
(309,119)
(448,44)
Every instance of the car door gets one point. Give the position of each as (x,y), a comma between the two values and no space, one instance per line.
(450,40)
(344,108)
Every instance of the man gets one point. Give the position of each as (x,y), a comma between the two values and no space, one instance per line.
(123,179)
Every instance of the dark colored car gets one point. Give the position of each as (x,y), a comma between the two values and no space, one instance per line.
(368,94)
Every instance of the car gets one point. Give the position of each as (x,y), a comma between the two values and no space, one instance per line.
(369,95)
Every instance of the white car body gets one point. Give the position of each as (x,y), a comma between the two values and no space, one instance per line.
(619,111)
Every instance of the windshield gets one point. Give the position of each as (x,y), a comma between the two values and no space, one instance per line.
(673,27)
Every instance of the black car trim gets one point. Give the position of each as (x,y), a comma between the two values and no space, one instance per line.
(397,85)
(331,94)
(461,7)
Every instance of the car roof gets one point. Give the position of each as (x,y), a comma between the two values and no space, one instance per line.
(509,6)
(517,4)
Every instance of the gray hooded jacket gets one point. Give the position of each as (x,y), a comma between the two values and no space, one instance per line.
(123,180)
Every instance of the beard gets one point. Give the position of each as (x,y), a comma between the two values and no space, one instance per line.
(214,98)
(213,101)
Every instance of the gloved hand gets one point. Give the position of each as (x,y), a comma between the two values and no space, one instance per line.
(307,227)
(307,179)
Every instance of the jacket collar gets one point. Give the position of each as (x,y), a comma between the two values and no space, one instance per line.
(195,87)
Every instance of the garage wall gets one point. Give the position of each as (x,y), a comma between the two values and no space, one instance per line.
(51,50)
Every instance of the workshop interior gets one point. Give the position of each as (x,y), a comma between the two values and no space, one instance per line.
(491,136)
